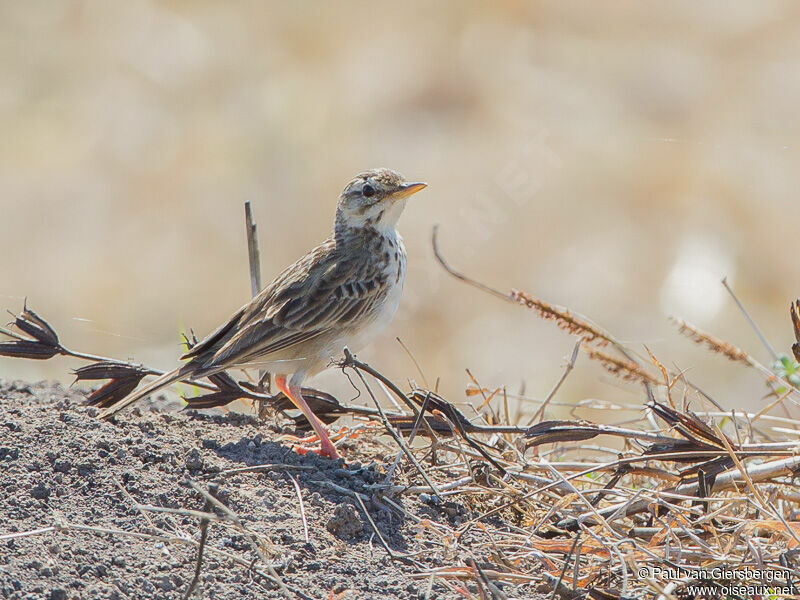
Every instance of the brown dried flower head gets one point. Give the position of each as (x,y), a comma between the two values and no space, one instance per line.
(712,343)
(621,367)
(562,317)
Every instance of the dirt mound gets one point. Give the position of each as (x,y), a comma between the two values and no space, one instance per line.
(114,501)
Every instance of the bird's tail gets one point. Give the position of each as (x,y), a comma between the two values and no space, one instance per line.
(162,381)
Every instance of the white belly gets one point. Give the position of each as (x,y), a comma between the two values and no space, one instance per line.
(381,319)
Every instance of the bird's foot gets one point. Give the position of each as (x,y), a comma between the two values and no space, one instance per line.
(296,439)
(309,444)
(328,450)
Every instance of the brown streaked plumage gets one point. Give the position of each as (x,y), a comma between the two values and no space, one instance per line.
(342,293)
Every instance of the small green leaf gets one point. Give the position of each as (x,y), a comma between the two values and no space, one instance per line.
(787,368)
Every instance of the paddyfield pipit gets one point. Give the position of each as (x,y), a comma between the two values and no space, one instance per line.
(341,294)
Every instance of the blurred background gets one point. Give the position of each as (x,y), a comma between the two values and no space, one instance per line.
(619,160)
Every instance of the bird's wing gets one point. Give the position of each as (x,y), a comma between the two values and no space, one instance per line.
(327,290)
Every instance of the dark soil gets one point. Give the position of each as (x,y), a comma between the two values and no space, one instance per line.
(61,467)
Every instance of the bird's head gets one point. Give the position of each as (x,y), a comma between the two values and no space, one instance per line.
(374,199)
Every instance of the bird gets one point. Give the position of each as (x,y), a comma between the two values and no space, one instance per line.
(341,294)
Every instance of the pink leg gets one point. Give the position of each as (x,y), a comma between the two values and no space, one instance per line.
(293,393)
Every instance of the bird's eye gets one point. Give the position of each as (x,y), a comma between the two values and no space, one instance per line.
(368,190)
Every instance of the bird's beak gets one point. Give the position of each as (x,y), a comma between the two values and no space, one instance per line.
(405,190)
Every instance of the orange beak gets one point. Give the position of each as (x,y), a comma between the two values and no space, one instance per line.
(407,189)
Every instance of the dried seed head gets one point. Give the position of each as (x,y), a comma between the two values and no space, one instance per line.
(562,317)
(212,400)
(794,311)
(109,369)
(229,391)
(28,349)
(622,367)
(713,343)
(44,344)
(688,424)
(551,432)
(36,327)
(114,391)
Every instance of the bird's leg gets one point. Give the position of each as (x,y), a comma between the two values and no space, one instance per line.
(293,393)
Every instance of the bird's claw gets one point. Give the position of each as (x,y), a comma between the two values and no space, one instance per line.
(309,444)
